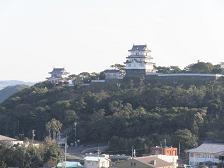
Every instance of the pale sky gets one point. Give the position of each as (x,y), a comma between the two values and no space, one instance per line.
(91,35)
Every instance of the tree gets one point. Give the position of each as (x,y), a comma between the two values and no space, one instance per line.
(118,66)
(200,67)
(186,139)
(53,127)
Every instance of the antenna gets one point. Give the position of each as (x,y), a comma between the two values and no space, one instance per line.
(179,149)
(165,142)
(98,151)
(132,152)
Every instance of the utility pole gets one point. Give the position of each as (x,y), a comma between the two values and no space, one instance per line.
(33,135)
(65,151)
(133,152)
(75,124)
(179,149)
(165,142)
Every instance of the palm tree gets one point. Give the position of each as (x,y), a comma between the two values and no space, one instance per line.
(53,127)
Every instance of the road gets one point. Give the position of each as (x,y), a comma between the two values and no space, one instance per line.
(78,153)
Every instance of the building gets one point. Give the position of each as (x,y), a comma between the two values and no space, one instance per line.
(58,75)
(139,62)
(111,74)
(9,141)
(168,151)
(101,161)
(168,154)
(143,162)
(69,164)
(205,154)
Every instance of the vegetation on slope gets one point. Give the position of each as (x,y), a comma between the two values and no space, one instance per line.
(131,112)
(10,90)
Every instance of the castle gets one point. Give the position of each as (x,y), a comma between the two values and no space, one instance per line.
(139,62)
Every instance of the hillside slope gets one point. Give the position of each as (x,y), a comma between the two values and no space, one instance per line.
(10,90)
(125,113)
(5,83)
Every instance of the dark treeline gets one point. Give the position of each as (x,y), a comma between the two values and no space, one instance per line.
(128,113)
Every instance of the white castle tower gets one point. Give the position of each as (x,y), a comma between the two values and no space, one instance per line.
(139,63)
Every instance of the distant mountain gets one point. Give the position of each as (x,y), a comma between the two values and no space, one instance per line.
(6,83)
(10,90)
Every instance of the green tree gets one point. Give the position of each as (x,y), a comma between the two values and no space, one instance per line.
(200,67)
(186,139)
(53,127)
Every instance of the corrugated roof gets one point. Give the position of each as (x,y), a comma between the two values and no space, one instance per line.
(208,148)
(5,138)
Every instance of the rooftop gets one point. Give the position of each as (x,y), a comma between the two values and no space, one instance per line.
(112,71)
(153,161)
(5,138)
(69,164)
(58,70)
(208,148)
(139,47)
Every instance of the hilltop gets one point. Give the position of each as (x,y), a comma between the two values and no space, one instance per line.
(5,83)
(124,113)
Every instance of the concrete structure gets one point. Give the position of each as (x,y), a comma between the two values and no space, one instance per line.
(9,141)
(101,161)
(168,154)
(143,162)
(205,154)
(111,74)
(187,75)
(169,151)
(58,75)
(69,164)
(139,62)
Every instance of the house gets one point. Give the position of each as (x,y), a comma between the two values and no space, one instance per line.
(139,62)
(69,164)
(9,141)
(143,162)
(101,161)
(206,154)
(168,154)
(111,74)
(58,75)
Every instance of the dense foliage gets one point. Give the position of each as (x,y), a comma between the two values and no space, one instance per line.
(29,156)
(131,112)
(10,90)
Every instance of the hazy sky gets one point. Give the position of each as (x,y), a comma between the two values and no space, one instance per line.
(90,35)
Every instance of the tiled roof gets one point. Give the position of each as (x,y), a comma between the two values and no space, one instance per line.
(208,148)
(139,47)
(153,161)
(112,71)
(5,138)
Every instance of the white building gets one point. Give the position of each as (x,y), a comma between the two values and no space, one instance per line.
(101,161)
(111,74)
(206,153)
(139,62)
(169,159)
(58,75)
(9,141)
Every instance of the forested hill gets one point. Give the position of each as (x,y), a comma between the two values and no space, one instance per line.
(126,113)
(10,90)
